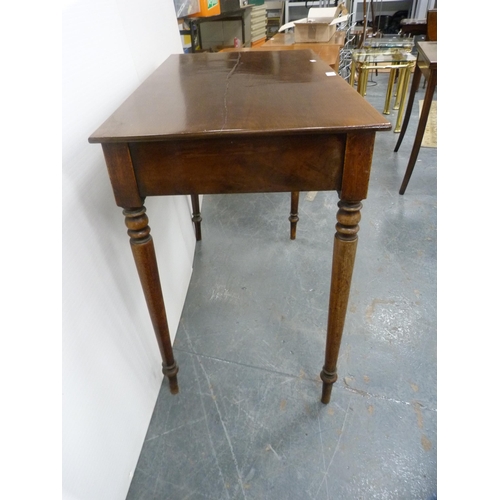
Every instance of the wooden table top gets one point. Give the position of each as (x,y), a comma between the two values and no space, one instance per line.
(285,39)
(428,50)
(239,93)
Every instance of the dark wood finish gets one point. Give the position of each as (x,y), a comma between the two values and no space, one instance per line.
(413,27)
(432,34)
(237,123)
(329,51)
(344,252)
(294,214)
(122,175)
(195,201)
(427,66)
(249,165)
(143,250)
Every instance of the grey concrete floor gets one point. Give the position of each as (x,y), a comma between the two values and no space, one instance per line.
(248,423)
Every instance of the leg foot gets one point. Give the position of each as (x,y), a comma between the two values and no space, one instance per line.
(171,372)
(328,378)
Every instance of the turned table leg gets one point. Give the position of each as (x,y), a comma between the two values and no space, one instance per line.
(195,201)
(344,252)
(143,251)
(294,214)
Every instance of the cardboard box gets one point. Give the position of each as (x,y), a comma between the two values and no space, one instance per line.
(319,25)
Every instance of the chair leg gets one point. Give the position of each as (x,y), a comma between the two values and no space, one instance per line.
(195,201)
(294,214)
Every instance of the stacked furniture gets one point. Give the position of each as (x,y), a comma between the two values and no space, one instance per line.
(258,18)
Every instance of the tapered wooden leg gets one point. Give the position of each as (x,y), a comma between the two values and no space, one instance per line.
(294,214)
(405,78)
(411,98)
(344,252)
(143,250)
(195,201)
(426,106)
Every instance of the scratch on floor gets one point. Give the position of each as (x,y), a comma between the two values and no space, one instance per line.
(206,417)
(347,380)
(323,454)
(269,447)
(174,429)
(336,447)
(231,449)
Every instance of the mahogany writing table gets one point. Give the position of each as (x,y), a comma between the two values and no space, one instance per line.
(243,122)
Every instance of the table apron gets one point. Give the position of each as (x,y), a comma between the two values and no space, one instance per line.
(427,69)
(239,165)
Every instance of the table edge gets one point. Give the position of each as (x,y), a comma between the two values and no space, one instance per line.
(234,134)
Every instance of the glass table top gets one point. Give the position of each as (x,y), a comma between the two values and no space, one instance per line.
(390,42)
(382,55)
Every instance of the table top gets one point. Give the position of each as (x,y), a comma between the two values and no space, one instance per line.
(389,42)
(285,39)
(205,95)
(428,50)
(382,55)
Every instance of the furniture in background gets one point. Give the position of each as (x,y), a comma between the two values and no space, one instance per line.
(242,122)
(258,25)
(431,34)
(413,27)
(427,66)
(195,22)
(390,42)
(396,59)
(326,51)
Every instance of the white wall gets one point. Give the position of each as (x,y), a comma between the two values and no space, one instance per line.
(111,363)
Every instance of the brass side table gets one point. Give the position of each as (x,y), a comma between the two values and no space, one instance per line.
(395,59)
